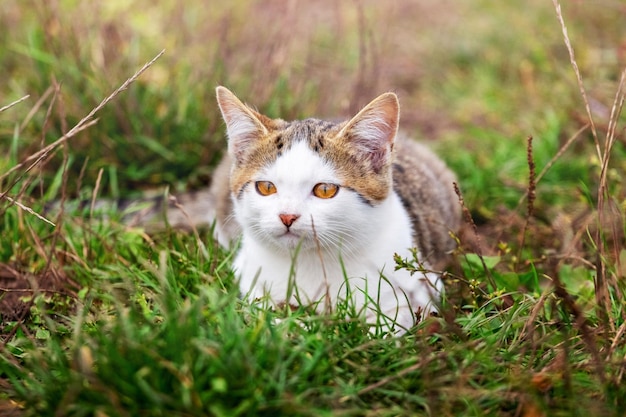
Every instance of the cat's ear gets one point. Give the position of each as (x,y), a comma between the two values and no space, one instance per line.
(243,125)
(373,130)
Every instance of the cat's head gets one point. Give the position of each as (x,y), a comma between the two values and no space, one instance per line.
(309,181)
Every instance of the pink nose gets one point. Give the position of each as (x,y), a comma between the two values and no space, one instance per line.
(288,219)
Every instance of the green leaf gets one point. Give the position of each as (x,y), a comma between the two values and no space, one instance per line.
(473,261)
(42,334)
(508,281)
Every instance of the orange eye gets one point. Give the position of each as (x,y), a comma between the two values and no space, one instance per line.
(325,190)
(265,188)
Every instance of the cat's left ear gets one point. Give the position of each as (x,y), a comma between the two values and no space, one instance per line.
(243,125)
(373,130)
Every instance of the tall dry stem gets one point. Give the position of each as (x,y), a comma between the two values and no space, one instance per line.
(531,193)
(602,284)
(579,77)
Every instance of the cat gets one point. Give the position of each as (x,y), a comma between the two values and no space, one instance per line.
(320,209)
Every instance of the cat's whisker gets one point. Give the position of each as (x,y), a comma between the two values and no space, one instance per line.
(336,242)
(230,219)
(260,233)
(344,237)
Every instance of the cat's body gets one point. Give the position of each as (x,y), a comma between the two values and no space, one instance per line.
(321,209)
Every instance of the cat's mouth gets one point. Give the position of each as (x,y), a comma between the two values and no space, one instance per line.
(290,238)
(288,234)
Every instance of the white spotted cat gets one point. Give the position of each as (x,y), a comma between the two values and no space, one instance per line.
(321,208)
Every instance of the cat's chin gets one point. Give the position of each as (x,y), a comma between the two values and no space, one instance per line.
(290,241)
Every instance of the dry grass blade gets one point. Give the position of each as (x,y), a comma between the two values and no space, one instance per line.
(579,78)
(94,195)
(327,300)
(618,103)
(8,106)
(602,286)
(36,107)
(616,110)
(617,339)
(28,209)
(41,155)
(82,124)
(529,325)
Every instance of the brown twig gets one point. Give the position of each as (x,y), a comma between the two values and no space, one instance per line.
(477,247)
(31,290)
(8,106)
(56,234)
(532,185)
(530,193)
(553,160)
(581,324)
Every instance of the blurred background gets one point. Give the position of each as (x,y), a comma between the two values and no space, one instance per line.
(474,78)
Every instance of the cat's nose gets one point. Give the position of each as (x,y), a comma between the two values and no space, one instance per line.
(288,219)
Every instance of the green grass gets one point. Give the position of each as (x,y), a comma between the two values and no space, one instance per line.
(122,323)
(164,333)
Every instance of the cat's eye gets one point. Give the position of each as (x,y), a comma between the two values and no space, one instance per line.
(265,188)
(325,190)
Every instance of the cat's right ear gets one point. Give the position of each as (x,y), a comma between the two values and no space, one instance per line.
(373,130)
(243,125)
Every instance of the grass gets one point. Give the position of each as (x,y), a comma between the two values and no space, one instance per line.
(102,319)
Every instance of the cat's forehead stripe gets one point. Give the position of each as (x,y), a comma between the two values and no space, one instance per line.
(311,131)
(321,137)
